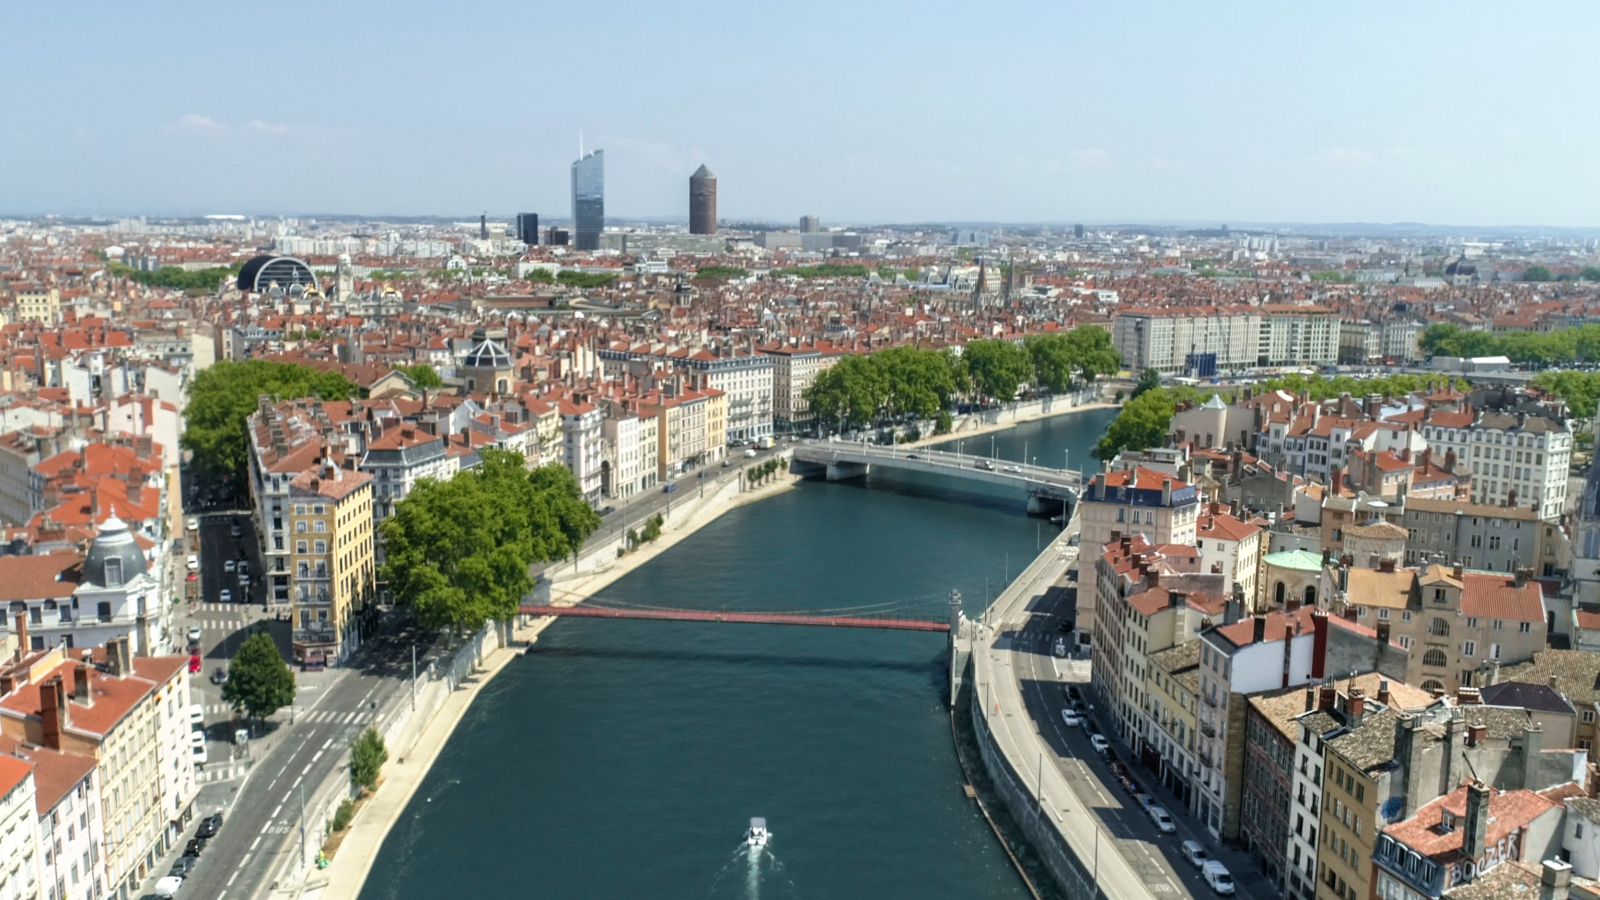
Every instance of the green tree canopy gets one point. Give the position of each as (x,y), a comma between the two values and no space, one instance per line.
(175,277)
(584,280)
(367,756)
(223,395)
(1079,354)
(823,270)
(1149,380)
(1534,348)
(850,394)
(715,273)
(423,375)
(1142,423)
(998,368)
(1536,273)
(1580,390)
(259,681)
(458,551)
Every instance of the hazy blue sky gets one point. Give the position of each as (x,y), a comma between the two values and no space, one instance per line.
(1456,113)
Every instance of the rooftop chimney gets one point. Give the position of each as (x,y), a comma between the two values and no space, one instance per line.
(1477,824)
(80,685)
(52,711)
(1383,689)
(1468,696)
(1355,706)
(1326,697)
(21,631)
(1555,880)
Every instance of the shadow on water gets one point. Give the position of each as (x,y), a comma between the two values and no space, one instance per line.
(935,487)
(740,659)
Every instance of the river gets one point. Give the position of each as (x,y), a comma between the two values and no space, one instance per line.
(625,758)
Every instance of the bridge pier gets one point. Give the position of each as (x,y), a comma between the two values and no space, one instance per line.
(844,471)
(804,469)
(1043,504)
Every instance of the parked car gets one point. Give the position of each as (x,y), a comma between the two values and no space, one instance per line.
(244,579)
(668,488)
(1100,744)
(168,886)
(197,746)
(230,565)
(1194,853)
(209,826)
(195,845)
(193,525)
(197,714)
(1164,822)
(244,564)
(182,866)
(1070,717)
(1216,875)
(193,563)
(607,511)
(194,634)
(1146,802)
(194,663)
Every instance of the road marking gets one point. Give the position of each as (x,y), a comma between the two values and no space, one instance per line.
(316,756)
(255,842)
(279,807)
(297,780)
(231,878)
(327,743)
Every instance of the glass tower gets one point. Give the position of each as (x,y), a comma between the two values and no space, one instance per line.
(589,200)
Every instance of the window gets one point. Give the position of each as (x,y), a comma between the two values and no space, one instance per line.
(1498,624)
(319,526)
(1439,595)
(1494,651)
(1469,648)
(300,526)
(1588,716)
(1434,657)
(1439,627)
(318,509)
(1404,641)
(1524,627)
(299,509)
(1472,622)
(299,546)
(322,547)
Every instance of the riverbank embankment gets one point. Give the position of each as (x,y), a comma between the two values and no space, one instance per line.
(415,740)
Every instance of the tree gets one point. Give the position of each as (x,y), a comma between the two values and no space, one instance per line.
(1536,273)
(1092,353)
(719,273)
(1141,423)
(259,681)
(423,375)
(944,423)
(1149,380)
(223,395)
(367,756)
(998,368)
(652,528)
(458,551)
(916,382)
(1590,273)
(850,394)
(1052,360)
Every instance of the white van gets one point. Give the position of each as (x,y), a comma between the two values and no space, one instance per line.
(1216,875)
(1195,854)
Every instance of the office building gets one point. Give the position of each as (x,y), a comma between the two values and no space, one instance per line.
(810,224)
(528,228)
(559,237)
(702,202)
(589,200)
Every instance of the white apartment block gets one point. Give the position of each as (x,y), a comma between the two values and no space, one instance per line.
(795,368)
(583,445)
(19,835)
(1520,459)
(1163,339)
(1298,336)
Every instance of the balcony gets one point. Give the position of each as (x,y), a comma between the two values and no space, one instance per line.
(316,634)
(1207,729)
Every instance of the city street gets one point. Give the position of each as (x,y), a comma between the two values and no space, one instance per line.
(1153,855)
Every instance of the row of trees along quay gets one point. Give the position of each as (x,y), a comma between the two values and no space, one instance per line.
(913,383)
(1146,417)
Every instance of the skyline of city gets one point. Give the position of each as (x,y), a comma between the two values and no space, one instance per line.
(1059,113)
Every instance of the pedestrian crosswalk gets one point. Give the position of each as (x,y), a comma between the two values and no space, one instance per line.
(219,624)
(220,607)
(211,772)
(316,716)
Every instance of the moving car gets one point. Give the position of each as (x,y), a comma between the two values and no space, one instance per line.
(1216,875)
(225,595)
(1099,742)
(1164,822)
(1013,468)
(749,454)
(1070,717)
(197,745)
(209,826)
(230,565)
(1194,853)
(244,579)
(668,488)
(984,464)
(219,675)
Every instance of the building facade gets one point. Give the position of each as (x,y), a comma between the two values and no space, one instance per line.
(588,200)
(702,202)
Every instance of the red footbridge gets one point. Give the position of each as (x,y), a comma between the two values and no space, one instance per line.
(740,618)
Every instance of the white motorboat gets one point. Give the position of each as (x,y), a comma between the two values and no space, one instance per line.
(758,835)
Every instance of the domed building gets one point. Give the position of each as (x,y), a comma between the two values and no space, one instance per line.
(117,594)
(487,366)
(265,271)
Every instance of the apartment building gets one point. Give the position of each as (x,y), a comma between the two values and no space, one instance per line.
(19,833)
(583,445)
(1521,458)
(745,379)
(1173,685)
(1268,652)
(38,304)
(631,447)
(1298,336)
(128,714)
(1478,536)
(1458,625)
(795,367)
(1360,342)
(397,458)
(332,566)
(1153,505)
(69,823)
(1172,341)
(1232,547)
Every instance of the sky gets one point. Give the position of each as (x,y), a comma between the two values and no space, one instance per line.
(1460,113)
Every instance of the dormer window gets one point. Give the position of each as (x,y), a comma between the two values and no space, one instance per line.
(113,572)
(1447,822)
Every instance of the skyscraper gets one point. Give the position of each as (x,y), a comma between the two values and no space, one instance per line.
(528,228)
(702,202)
(810,224)
(483,227)
(588,200)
